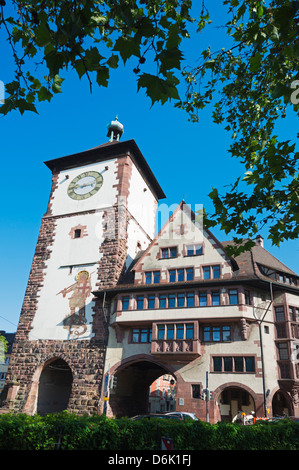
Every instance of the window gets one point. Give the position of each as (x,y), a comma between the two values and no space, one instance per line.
(161,331)
(249,364)
(207,333)
(181,300)
(151,301)
(294,314)
(216,298)
(279,313)
(247,297)
(170,331)
(176,331)
(171,300)
(228,364)
(190,299)
(285,372)
(226,336)
(141,335)
(233,296)
(195,391)
(125,303)
(152,277)
(283,351)
(217,363)
(202,299)
(194,249)
(162,301)
(211,272)
(140,302)
(77,233)
(206,272)
(189,274)
(189,331)
(180,275)
(216,272)
(280,330)
(180,331)
(236,364)
(170,252)
(217,333)
(239,364)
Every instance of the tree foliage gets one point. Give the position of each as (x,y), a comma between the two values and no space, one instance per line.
(252,86)
(49,37)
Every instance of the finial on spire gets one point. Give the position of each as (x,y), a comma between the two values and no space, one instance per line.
(115,130)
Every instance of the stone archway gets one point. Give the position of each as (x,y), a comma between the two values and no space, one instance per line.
(233,398)
(54,387)
(281,404)
(131,380)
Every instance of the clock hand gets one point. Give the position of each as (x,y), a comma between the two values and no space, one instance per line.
(83,185)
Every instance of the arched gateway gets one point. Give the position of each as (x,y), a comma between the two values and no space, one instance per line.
(55,387)
(51,388)
(130,382)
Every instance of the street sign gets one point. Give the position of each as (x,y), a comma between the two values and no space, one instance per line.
(166,443)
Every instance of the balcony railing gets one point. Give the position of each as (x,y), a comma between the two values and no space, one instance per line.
(187,348)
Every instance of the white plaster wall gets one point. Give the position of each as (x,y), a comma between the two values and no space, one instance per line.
(142,203)
(175,314)
(292,300)
(136,236)
(105,197)
(170,236)
(81,252)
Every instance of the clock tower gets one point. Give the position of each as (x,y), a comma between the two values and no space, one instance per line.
(100,214)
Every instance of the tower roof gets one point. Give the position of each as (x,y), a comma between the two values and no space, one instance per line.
(105,152)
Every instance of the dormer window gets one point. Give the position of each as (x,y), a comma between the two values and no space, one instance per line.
(194,249)
(211,272)
(152,277)
(169,252)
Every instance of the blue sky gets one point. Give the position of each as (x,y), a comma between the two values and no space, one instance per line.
(187,159)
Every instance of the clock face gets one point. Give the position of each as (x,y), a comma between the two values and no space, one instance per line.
(85,185)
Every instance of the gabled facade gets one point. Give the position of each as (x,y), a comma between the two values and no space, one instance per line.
(212,322)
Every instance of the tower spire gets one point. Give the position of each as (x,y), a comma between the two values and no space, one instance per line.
(115,130)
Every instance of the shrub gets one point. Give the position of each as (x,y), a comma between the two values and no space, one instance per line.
(68,431)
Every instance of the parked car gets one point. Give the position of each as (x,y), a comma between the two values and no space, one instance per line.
(149,416)
(182,415)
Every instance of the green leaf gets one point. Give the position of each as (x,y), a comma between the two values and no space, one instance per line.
(158,89)
(42,34)
(44,94)
(127,46)
(92,59)
(56,86)
(112,62)
(103,76)
(55,61)
(80,67)
(169,59)
(255,62)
